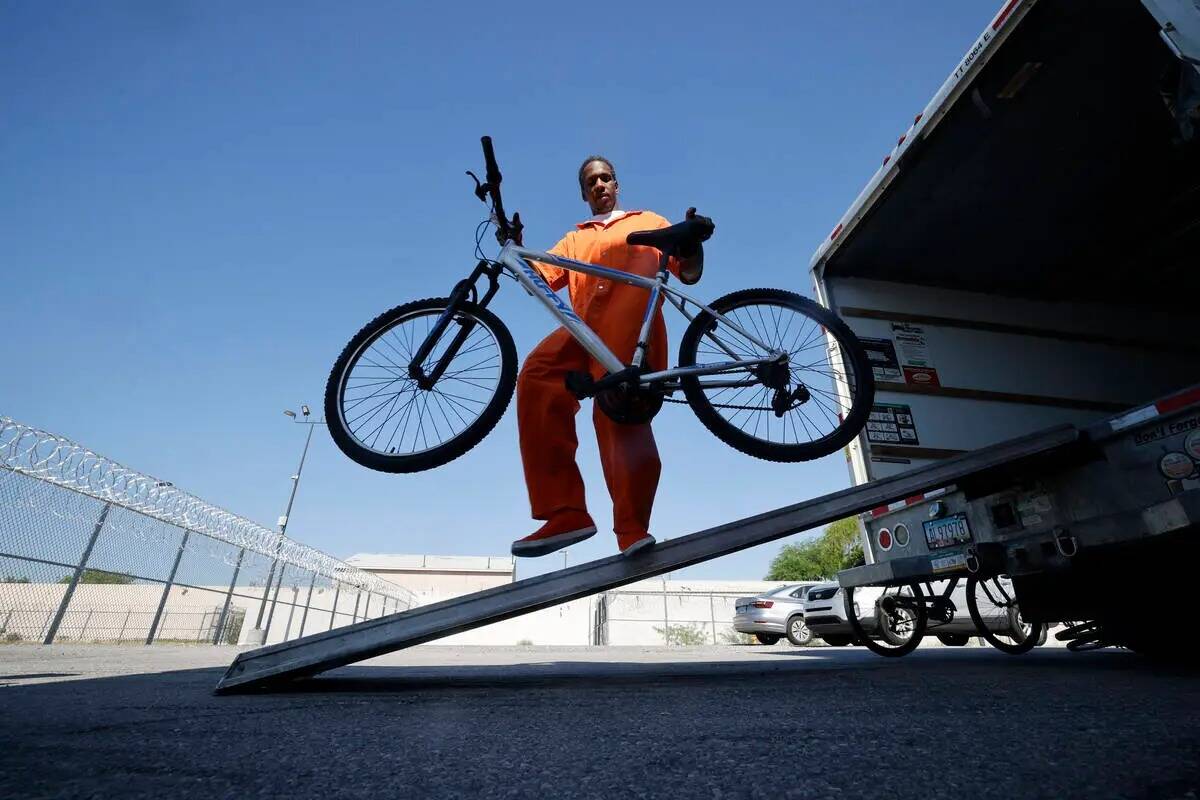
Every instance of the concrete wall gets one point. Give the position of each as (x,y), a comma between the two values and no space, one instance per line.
(694,612)
(125,612)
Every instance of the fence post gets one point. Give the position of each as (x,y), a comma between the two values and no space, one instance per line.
(666,616)
(162,602)
(367,608)
(357,598)
(307,602)
(87,553)
(337,591)
(229,597)
(124,624)
(7,619)
(274,600)
(86,620)
(712,614)
(266,588)
(287,632)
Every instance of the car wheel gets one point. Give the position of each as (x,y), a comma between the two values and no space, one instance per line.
(836,640)
(798,633)
(953,639)
(767,638)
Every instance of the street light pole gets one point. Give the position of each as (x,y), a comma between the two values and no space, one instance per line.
(283,520)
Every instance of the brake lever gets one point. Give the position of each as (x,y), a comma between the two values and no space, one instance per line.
(481,189)
(515,228)
(513,231)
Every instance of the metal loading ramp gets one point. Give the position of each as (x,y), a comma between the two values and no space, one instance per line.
(274,664)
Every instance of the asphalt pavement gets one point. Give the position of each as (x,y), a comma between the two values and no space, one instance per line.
(602,722)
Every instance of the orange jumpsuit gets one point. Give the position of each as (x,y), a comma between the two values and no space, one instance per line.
(546,409)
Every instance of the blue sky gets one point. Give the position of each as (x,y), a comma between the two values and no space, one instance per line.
(201,203)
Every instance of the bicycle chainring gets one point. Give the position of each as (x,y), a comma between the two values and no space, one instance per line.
(629,405)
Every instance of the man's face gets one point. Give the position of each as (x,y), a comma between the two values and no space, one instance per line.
(599,187)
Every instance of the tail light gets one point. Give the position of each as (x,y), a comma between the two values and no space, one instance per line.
(885,539)
(763,603)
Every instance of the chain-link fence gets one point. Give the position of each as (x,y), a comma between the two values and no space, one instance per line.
(682,616)
(91,551)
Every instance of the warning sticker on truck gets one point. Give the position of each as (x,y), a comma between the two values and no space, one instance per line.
(891,424)
(921,376)
(1166,430)
(912,346)
(882,355)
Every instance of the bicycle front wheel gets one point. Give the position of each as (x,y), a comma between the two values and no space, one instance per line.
(899,616)
(381,418)
(817,407)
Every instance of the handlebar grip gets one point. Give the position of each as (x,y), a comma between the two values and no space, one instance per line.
(489,158)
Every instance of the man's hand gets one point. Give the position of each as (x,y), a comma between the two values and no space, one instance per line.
(691,259)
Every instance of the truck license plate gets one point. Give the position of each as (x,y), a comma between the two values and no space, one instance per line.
(947,532)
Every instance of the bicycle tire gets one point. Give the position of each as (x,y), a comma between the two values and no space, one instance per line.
(850,424)
(920,620)
(453,447)
(1015,648)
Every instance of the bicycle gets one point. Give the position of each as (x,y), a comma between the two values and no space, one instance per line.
(903,613)
(424,382)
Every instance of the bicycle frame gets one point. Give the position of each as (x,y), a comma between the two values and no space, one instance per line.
(515,261)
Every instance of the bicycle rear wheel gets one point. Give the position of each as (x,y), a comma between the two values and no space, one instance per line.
(381,418)
(998,617)
(828,388)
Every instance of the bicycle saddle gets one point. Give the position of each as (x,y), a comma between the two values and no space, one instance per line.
(675,237)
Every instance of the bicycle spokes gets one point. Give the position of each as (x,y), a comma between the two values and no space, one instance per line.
(792,400)
(998,611)
(386,411)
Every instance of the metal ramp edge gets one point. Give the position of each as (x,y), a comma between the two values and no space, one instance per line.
(324,651)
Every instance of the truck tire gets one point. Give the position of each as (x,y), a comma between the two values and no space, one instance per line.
(767,638)
(836,639)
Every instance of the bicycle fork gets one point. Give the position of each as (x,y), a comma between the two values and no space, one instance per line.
(463,290)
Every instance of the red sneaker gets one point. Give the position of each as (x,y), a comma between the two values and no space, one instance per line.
(563,529)
(628,548)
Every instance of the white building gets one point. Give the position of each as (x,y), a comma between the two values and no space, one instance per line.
(434,578)
(644,613)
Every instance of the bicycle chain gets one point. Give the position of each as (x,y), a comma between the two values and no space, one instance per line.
(720,405)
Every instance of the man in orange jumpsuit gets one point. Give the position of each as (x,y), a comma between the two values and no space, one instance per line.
(546,408)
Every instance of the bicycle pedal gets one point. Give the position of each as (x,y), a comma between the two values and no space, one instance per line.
(580,384)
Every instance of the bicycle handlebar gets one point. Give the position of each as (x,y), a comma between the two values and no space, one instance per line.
(489,158)
(505,229)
